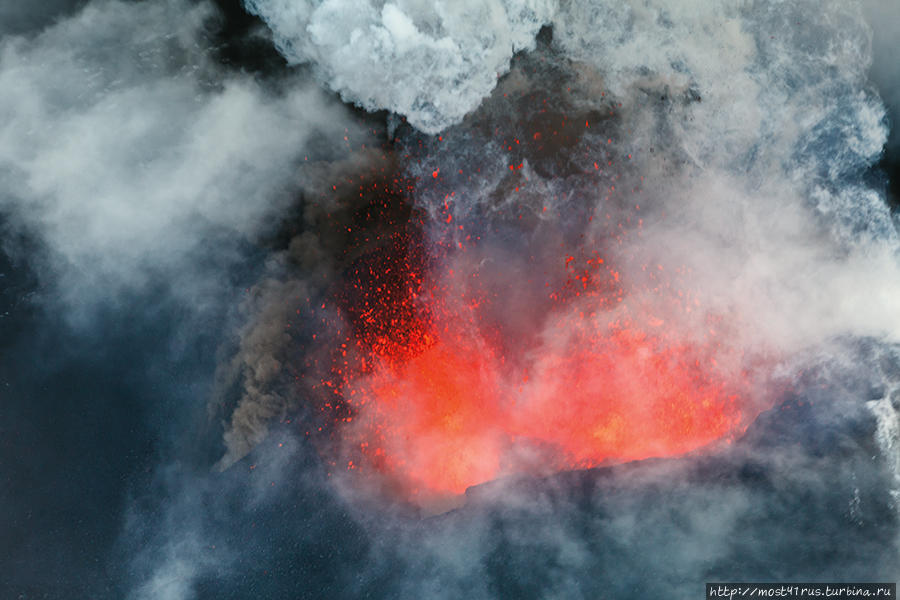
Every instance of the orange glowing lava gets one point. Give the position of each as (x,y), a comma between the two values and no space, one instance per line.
(435,419)
(438,407)
(625,395)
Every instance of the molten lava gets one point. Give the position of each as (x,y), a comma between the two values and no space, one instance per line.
(467,353)
(438,407)
(435,419)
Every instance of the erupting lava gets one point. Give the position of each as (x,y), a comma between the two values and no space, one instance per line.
(438,405)
(502,336)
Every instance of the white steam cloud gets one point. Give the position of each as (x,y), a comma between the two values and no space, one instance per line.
(129,153)
(431,61)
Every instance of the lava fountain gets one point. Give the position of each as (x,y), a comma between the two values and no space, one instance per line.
(522,319)
(441,395)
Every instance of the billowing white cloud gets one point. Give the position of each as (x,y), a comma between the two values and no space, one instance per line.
(431,61)
(125,149)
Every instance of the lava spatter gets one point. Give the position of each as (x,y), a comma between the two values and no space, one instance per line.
(438,405)
(525,330)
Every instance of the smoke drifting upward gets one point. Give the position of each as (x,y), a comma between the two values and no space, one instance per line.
(132,153)
(431,62)
(622,251)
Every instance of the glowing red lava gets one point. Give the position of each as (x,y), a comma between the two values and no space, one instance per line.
(625,395)
(437,407)
(435,419)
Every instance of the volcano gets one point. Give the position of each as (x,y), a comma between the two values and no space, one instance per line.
(424,299)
